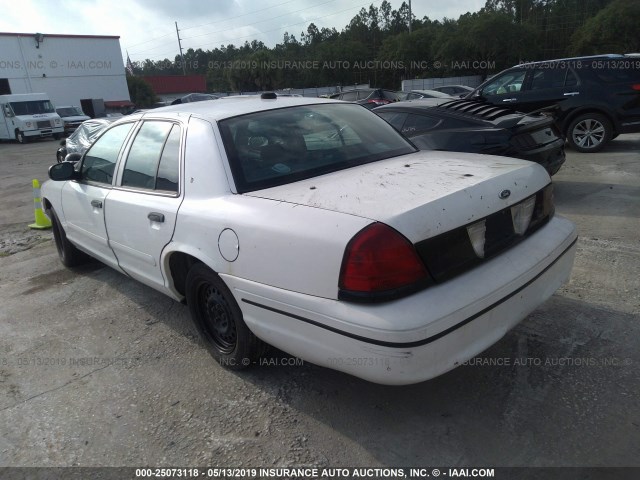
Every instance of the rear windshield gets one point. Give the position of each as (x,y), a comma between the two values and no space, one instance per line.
(277,147)
(69,111)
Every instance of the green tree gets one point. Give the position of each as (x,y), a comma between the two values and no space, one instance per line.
(616,29)
(141,93)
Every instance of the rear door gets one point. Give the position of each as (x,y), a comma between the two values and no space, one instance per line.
(83,201)
(141,210)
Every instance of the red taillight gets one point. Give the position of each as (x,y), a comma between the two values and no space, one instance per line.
(378,101)
(379,259)
(636,87)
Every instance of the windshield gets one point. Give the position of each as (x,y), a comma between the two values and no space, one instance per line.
(32,107)
(277,147)
(69,111)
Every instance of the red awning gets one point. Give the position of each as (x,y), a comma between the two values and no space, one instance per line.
(180,84)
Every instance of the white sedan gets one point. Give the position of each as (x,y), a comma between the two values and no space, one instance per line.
(313,226)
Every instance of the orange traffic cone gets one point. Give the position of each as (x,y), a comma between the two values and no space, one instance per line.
(42,221)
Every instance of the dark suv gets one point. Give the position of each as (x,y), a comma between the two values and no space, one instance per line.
(368,97)
(597,97)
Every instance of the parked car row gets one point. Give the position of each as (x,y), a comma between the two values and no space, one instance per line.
(583,100)
(468,126)
(594,99)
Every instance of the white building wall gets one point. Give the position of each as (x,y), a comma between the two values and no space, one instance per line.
(67,68)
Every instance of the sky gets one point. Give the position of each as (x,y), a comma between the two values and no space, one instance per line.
(147,27)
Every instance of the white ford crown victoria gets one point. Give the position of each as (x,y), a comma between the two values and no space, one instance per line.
(313,226)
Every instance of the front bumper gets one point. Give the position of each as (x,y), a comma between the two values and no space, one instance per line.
(421,336)
(45,132)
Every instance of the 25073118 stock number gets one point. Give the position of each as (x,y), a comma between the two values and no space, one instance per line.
(196,472)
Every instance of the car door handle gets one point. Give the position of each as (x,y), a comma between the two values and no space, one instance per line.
(156,217)
(571,94)
(96,203)
(509,100)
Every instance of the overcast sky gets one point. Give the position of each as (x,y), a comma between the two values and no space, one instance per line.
(147,29)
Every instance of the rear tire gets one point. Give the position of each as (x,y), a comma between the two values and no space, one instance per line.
(590,132)
(69,254)
(219,321)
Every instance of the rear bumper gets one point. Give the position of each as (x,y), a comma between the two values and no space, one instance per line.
(551,156)
(421,336)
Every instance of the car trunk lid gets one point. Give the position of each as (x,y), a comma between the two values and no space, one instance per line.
(422,194)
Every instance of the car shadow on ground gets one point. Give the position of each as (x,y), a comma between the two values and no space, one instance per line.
(527,400)
(601,199)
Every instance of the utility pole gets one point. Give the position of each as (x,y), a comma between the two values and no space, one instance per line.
(184,69)
(409,16)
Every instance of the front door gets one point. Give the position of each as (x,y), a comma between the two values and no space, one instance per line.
(84,200)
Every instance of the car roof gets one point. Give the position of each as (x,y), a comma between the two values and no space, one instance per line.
(432,92)
(456,85)
(104,120)
(236,106)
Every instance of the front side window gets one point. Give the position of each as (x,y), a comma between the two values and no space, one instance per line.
(277,147)
(152,162)
(100,160)
(509,82)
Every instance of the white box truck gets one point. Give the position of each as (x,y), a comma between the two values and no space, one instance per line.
(28,115)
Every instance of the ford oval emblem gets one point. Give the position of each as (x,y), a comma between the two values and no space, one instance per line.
(505,194)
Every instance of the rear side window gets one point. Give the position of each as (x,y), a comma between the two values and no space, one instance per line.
(350,96)
(152,162)
(419,123)
(394,118)
(169,167)
(100,160)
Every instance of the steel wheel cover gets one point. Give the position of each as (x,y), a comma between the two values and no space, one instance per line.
(217,318)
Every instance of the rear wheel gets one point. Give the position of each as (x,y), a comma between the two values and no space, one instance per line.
(589,132)
(218,319)
(69,254)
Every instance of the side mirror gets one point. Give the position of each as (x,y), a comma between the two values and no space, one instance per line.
(63,142)
(62,171)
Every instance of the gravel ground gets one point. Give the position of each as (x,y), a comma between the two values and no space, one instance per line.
(99,370)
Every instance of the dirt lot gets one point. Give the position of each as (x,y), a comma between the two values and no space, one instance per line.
(96,369)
